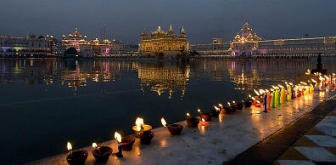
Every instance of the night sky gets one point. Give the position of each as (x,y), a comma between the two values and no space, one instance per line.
(202,19)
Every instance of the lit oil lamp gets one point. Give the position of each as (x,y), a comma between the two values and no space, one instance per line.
(101,153)
(76,157)
(191,121)
(140,127)
(214,112)
(237,106)
(248,102)
(222,110)
(174,129)
(125,142)
(146,137)
(118,137)
(203,122)
(229,108)
(205,116)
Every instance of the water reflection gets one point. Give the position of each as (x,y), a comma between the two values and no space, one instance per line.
(85,99)
(159,77)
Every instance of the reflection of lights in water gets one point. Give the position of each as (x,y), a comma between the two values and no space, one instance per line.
(202,129)
(220,118)
(137,150)
(163,143)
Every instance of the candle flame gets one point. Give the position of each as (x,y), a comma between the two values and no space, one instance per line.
(233,102)
(261,91)
(163,122)
(69,146)
(220,105)
(199,110)
(216,108)
(308,72)
(188,114)
(117,136)
(94,145)
(229,103)
(139,122)
(203,120)
(256,92)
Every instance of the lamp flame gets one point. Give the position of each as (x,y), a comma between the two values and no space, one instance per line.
(256,92)
(117,136)
(163,122)
(94,145)
(139,122)
(69,146)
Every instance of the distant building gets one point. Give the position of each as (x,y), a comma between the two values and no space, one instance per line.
(248,43)
(91,48)
(75,40)
(245,42)
(217,47)
(160,42)
(31,46)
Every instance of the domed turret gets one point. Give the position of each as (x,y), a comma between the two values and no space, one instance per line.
(182,32)
(170,31)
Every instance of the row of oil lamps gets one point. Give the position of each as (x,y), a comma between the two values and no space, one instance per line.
(266,98)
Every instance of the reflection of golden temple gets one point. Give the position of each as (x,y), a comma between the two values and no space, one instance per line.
(164,78)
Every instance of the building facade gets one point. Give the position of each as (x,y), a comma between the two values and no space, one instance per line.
(29,46)
(93,48)
(247,43)
(160,42)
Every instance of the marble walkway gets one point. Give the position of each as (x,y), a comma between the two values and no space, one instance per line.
(221,141)
(318,146)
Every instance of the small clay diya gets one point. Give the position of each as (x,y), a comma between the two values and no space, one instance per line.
(214,112)
(192,122)
(248,103)
(146,137)
(144,128)
(203,123)
(229,109)
(127,143)
(77,157)
(175,129)
(238,106)
(102,153)
(205,116)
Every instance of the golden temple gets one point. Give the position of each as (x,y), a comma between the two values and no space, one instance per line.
(160,42)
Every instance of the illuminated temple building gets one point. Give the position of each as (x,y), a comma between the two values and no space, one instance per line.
(30,45)
(160,42)
(248,43)
(91,48)
(245,42)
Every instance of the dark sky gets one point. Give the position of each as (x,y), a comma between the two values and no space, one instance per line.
(202,19)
